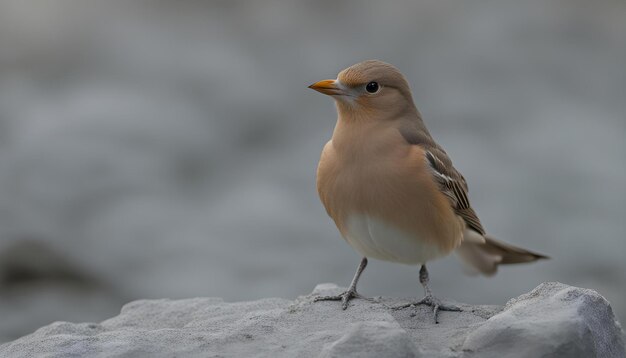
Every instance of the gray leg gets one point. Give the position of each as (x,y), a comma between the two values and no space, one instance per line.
(429,299)
(351,293)
(424,280)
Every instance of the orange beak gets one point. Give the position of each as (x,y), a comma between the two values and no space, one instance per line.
(327,87)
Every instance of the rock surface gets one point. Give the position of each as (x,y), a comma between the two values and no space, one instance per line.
(554,320)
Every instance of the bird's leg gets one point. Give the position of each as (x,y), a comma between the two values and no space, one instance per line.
(429,299)
(351,293)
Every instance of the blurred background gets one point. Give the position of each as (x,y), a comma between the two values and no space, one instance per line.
(168,148)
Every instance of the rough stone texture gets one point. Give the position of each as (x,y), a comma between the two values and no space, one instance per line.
(554,320)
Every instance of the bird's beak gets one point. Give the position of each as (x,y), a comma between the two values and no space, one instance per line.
(328,87)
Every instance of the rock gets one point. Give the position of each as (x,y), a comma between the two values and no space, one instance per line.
(554,320)
(372,339)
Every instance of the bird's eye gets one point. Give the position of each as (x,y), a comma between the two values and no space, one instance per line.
(372,87)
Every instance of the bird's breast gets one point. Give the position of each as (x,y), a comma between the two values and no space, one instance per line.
(386,204)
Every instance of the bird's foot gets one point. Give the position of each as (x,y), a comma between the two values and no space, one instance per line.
(433,302)
(344,297)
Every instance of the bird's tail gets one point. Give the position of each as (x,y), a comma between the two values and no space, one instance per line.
(485,257)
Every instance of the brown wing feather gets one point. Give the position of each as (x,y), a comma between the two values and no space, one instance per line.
(453,184)
(483,257)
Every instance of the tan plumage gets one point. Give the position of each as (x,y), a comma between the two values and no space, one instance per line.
(390,188)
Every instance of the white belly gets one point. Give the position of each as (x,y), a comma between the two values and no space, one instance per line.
(374,238)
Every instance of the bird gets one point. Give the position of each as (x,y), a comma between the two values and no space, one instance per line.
(392,191)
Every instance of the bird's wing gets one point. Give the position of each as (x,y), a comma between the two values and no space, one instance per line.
(453,185)
(450,181)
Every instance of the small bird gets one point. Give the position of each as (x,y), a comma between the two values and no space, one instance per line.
(392,190)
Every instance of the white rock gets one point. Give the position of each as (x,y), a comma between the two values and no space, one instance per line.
(554,320)
(372,339)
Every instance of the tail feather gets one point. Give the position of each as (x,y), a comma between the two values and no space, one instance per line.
(485,257)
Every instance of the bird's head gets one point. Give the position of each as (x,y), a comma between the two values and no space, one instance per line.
(372,89)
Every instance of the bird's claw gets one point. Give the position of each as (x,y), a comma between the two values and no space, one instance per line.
(344,297)
(433,302)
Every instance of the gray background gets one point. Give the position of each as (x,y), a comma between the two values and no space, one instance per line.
(168,148)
